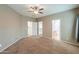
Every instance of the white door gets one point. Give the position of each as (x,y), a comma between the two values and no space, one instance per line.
(56,29)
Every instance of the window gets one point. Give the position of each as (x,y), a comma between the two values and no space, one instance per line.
(56,29)
(34,28)
(29,28)
(40,28)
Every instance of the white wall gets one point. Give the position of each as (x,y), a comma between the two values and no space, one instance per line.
(12,26)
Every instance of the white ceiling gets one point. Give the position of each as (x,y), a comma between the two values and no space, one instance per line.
(48,9)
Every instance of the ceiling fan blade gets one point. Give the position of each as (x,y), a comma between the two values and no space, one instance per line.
(41,12)
(41,9)
(32,7)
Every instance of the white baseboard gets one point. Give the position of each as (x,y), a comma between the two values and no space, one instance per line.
(71,43)
(66,42)
(11,44)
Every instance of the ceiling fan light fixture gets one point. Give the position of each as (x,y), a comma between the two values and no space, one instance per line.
(36,9)
(35,12)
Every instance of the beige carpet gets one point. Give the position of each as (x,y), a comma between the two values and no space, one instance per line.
(40,45)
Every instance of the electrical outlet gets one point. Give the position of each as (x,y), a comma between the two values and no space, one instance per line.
(0,45)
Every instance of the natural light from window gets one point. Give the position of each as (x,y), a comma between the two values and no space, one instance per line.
(29,28)
(56,29)
(40,28)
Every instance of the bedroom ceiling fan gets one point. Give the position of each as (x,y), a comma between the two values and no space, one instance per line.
(36,9)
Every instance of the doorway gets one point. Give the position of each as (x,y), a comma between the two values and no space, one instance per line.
(56,29)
